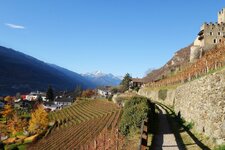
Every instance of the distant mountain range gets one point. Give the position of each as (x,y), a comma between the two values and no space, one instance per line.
(22,73)
(102,79)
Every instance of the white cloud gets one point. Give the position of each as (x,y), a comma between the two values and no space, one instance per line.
(14,26)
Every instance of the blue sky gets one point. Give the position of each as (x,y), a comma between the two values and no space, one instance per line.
(114,36)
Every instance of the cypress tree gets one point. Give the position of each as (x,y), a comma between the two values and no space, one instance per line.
(126,82)
(50,94)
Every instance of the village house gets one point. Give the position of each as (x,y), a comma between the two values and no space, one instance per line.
(63,101)
(51,106)
(136,82)
(20,98)
(25,104)
(34,95)
(59,103)
(104,91)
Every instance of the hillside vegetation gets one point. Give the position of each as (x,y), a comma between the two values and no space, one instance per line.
(180,59)
(135,111)
(211,61)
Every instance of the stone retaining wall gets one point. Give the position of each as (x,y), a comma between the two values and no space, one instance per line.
(201,101)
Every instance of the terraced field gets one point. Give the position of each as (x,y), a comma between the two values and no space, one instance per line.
(79,124)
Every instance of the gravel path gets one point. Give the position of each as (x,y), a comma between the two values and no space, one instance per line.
(164,137)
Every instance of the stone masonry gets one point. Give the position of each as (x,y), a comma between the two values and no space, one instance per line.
(209,36)
(201,101)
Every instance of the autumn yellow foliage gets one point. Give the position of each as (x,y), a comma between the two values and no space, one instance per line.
(7,111)
(88,93)
(39,120)
(8,98)
(16,124)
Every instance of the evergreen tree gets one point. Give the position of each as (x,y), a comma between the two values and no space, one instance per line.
(39,99)
(50,94)
(125,82)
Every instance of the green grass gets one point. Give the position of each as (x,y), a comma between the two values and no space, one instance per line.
(162,94)
(14,146)
(22,147)
(26,115)
(221,147)
(17,134)
(27,142)
(3,119)
(11,146)
(169,87)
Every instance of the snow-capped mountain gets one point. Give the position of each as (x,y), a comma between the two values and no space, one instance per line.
(101,79)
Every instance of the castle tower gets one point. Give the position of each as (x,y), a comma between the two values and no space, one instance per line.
(209,36)
(221,16)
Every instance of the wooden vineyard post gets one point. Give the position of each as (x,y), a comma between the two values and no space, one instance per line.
(95,144)
(216,64)
(109,143)
(103,141)
(87,147)
(107,140)
(189,77)
(207,68)
(117,136)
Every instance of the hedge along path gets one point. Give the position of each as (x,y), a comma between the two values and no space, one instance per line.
(79,124)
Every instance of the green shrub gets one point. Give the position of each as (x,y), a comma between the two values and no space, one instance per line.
(221,147)
(162,94)
(135,110)
(110,98)
(136,89)
(190,125)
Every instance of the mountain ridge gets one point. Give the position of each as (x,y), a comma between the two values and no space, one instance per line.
(23,73)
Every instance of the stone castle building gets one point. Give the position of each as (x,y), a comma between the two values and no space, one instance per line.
(210,35)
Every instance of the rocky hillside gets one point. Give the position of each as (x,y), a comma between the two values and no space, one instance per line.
(179,60)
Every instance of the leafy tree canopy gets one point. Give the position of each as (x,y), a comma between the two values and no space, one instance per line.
(126,82)
(39,120)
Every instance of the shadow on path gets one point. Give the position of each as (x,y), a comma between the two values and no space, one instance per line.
(163,135)
(180,127)
(157,141)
